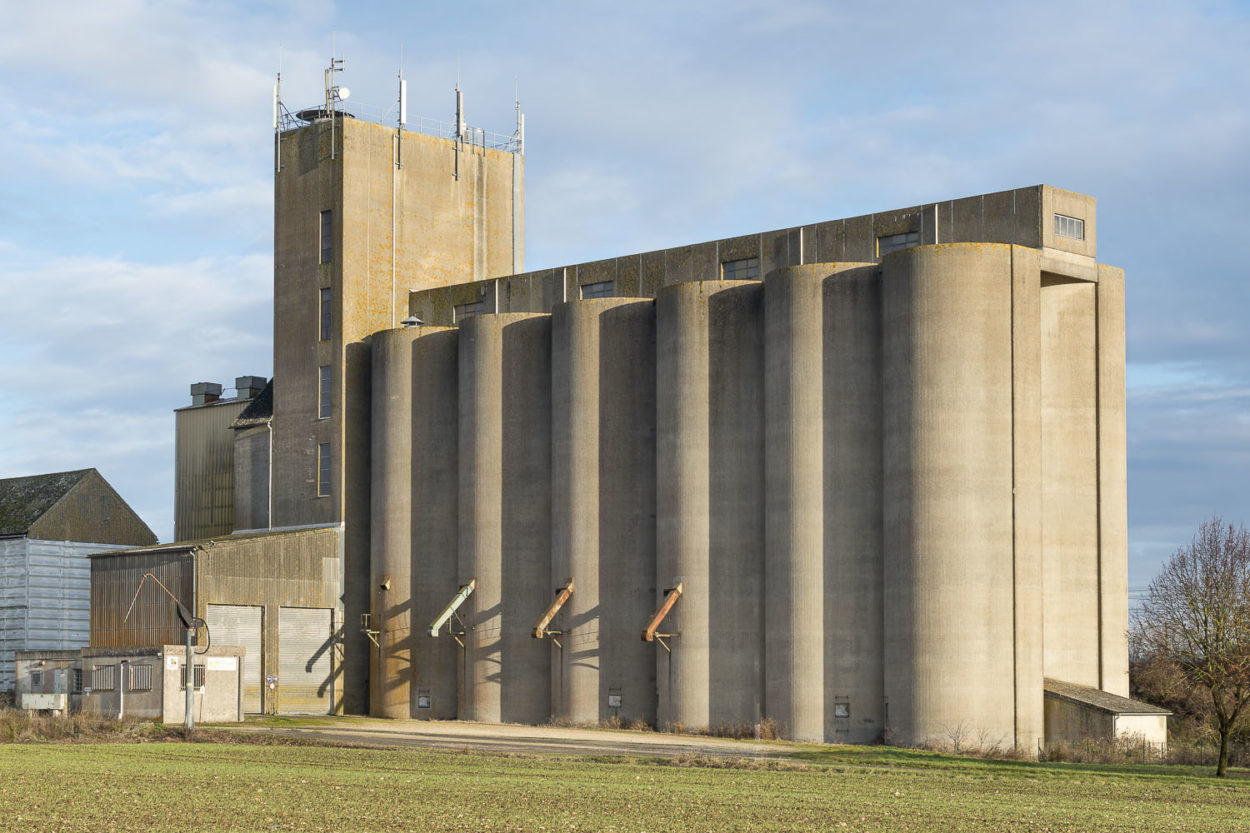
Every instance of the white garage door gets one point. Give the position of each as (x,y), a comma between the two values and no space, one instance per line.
(241,625)
(304,649)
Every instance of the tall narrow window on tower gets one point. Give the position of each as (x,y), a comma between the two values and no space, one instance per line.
(325,315)
(324,392)
(323,470)
(327,241)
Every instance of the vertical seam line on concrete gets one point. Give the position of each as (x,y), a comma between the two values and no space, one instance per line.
(1098,474)
(1015,527)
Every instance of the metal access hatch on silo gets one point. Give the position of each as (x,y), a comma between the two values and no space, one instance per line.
(304,648)
(241,625)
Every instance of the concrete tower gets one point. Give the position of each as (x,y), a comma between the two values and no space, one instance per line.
(364,213)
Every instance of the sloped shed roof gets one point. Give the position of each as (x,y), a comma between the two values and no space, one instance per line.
(1099,699)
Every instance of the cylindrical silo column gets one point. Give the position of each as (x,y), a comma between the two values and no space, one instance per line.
(946,317)
(854,702)
(710,524)
(603,507)
(435,521)
(794,532)
(505,513)
(391,533)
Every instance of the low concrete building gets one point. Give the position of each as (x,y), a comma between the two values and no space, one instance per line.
(49,523)
(145,683)
(1075,713)
(48,679)
(273,594)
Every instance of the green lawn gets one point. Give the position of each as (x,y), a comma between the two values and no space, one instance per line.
(167,786)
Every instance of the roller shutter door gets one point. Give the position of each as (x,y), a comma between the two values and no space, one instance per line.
(304,649)
(241,625)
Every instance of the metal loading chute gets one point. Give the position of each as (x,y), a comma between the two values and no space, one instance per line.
(562,596)
(449,613)
(650,634)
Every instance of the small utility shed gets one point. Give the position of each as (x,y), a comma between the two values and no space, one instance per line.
(1076,712)
(49,523)
(274,594)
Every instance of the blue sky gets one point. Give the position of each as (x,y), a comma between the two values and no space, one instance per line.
(136,191)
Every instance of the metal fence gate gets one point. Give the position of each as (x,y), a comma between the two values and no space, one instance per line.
(241,625)
(304,649)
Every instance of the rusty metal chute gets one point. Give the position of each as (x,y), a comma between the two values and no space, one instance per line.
(562,596)
(650,633)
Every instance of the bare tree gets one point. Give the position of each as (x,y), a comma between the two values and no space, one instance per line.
(1196,620)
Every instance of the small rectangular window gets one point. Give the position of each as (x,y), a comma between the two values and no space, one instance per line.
(602,289)
(197,681)
(325,392)
(325,315)
(76,681)
(887,243)
(140,678)
(323,470)
(1066,226)
(36,681)
(463,311)
(747,269)
(327,240)
(102,678)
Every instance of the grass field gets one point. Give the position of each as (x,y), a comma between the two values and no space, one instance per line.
(196,786)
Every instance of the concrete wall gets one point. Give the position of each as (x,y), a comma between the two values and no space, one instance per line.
(408,212)
(505,514)
(603,508)
(251,477)
(1024,217)
(219,700)
(56,672)
(1074,722)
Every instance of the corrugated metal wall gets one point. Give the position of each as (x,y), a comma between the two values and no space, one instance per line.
(44,591)
(241,625)
(304,650)
(154,618)
(204,489)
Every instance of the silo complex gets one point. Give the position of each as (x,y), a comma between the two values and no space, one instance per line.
(854,479)
(840,500)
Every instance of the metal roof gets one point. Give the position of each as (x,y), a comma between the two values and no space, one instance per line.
(24,500)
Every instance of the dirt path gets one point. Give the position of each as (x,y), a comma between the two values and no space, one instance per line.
(514,738)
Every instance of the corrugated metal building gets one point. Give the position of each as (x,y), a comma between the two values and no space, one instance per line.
(274,594)
(204,458)
(49,523)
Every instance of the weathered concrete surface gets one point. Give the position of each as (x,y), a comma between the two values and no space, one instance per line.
(603,508)
(505,513)
(853,616)
(710,508)
(946,318)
